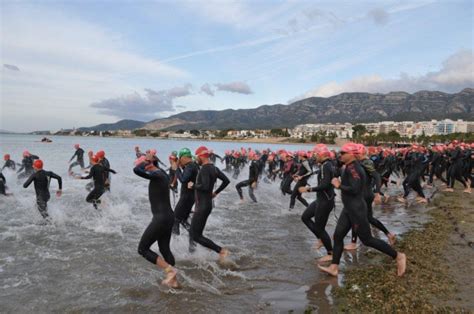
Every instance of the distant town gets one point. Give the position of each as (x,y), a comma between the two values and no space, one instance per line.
(388,131)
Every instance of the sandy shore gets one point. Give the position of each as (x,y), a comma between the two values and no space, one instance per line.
(440,266)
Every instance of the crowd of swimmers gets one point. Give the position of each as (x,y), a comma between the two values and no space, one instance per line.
(360,173)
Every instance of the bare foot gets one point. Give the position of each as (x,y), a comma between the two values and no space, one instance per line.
(392,239)
(325,259)
(170,279)
(351,246)
(401,199)
(386,199)
(318,244)
(401,264)
(448,190)
(224,253)
(332,270)
(421,200)
(468,190)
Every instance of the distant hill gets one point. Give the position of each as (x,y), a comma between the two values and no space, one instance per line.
(6,132)
(346,107)
(120,125)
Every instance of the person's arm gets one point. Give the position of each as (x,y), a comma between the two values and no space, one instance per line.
(30,179)
(75,154)
(160,162)
(308,168)
(224,179)
(140,171)
(90,175)
(354,186)
(110,170)
(55,176)
(326,177)
(184,176)
(22,166)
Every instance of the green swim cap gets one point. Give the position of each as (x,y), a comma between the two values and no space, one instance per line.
(174,153)
(184,152)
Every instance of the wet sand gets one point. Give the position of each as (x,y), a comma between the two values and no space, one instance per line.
(439,269)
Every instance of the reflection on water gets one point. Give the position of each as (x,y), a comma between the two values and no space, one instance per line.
(88,261)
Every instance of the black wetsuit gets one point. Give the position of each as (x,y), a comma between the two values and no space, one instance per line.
(354,213)
(3,183)
(322,206)
(289,169)
(27,165)
(253,177)
(105,163)
(205,181)
(304,172)
(99,174)
(9,164)
(80,159)
(455,171)
(159,229)
(41,181)
(187,195)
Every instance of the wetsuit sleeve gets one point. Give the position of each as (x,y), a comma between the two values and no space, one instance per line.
(90,175)
(55,176)
(308,169)
(370,167)
(141,172)
(326,177)
(220,158)
(184,176)
(353,184)
(224,179)
(30,179)
(75,154)
(110,170)
(22,166)
(160,162)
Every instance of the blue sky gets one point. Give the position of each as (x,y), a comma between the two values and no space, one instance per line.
(80,63)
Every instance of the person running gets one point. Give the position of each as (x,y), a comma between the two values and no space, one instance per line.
(186,174)
(324,203)
(79,154)
(355,213)
(10,164)
(3,186)
(41,180)
(27,165)
(159,229)
(252,180)
(204,186)
(301,178)
(106,164)
(99,174)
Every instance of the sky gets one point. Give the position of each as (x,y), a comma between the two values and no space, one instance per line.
(74,63)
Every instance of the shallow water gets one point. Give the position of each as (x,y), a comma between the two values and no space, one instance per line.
(88,261)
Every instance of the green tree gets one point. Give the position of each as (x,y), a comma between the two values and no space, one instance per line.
(358,131)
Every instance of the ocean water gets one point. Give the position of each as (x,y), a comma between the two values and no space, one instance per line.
(87,260)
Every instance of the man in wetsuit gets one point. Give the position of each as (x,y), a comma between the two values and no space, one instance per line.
(27,165)
(41,180)
(3,183)
(324,203)
(159,229)
(252,180)
(99,174)
(204,186)
(301,178)
(186,174)
(8,162)
(105,163)
(354,213)
(79,153)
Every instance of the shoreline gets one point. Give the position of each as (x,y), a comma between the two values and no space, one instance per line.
(439,266)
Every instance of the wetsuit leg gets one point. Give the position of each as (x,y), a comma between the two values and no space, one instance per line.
(2,188)
(94,196)
(182,212)
(198,223)
(323,209)
(239,187)
(295,194)
(156,232)
(251,195)
(73,165)
(342,228)
(42,207)
(374,221)
(307,216)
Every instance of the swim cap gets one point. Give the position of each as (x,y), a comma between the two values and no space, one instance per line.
(350,148)
(322,150)
(6,157)
(185,152)
(26,153)
(76,146)
(152,151)
(100,154)
(174,153)
(202,151)
(302,153)
(362,149)
(140,160)
(252,155)
(95,159)
(38,164)
(172,157)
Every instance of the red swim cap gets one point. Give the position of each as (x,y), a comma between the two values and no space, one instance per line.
(140,160)
(350,148)
(100,154)
(38,164)
(76,146)
(6,157)
(95,159)
(26,153)
(302,153)
(202,151)
(362,149)
(321,150)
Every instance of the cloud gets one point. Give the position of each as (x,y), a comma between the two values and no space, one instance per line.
(379,16)
(235,87)
(455,74)
(206,88)
(145,108)
(11,67)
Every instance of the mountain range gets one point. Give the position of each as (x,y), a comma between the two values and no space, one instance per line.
(345,107)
